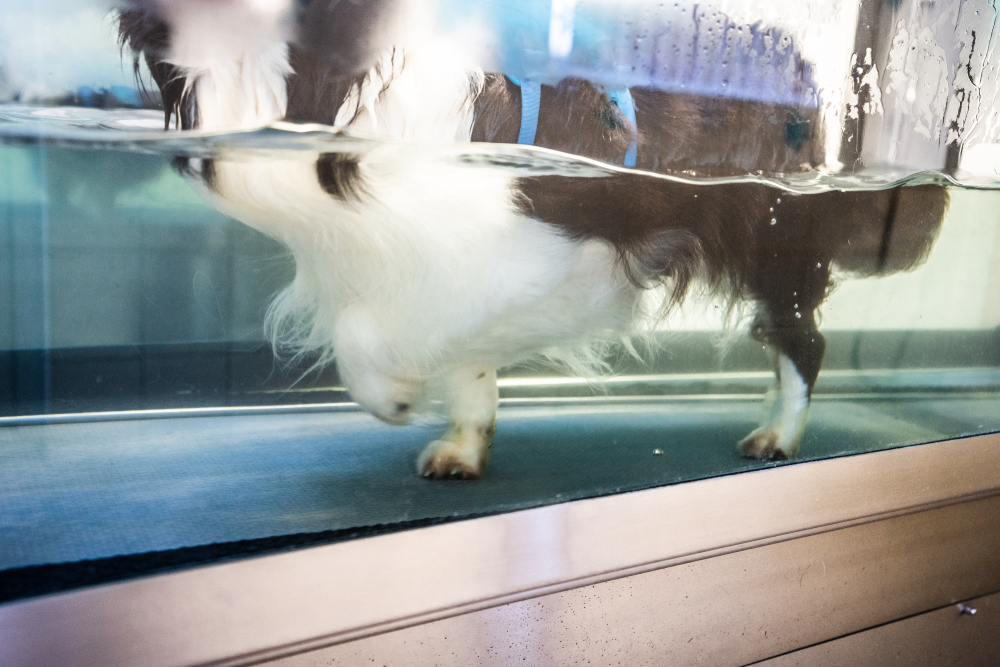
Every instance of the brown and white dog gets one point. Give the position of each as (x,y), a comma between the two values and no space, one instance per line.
(423,272)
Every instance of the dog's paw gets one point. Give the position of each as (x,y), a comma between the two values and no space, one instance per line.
(443,459)
(764,444)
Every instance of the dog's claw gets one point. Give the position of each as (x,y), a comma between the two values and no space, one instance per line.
(762,444)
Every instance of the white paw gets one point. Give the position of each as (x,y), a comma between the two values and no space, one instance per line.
(446,459)
(765,444)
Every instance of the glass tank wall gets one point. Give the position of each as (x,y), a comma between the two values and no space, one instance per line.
(143,409)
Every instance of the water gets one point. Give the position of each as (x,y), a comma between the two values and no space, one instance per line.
(108,247)
(124,297)
(141,131)
(76,165)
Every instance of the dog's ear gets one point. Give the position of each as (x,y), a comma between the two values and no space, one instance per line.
(347,35)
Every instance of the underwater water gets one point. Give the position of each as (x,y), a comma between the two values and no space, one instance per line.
(142,410)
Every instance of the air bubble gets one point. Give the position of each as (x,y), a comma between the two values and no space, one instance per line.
(798,316)
(774,221)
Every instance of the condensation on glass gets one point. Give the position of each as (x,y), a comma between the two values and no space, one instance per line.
(142,410)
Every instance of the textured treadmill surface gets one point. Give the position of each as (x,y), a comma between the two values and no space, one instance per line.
(107,490)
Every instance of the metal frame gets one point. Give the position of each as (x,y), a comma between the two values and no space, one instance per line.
(264,608)
(739,608)
(956,634)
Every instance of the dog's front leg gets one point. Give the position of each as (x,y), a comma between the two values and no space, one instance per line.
(464,449)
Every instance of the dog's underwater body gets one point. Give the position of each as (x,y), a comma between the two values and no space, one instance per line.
(424,274)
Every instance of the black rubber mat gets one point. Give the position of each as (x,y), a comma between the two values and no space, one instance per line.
(132,497)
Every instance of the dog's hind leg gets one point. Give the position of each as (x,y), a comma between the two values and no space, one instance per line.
(796,347)
(789,277)
(779,437)
(797,352)
(464,449)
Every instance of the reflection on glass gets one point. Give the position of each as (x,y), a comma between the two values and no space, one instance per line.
(661,209)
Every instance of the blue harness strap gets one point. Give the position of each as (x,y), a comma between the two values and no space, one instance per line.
(531,99)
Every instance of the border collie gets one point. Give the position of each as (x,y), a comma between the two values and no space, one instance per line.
(424,274)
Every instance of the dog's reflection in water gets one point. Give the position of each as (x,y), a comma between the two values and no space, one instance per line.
(423,276)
